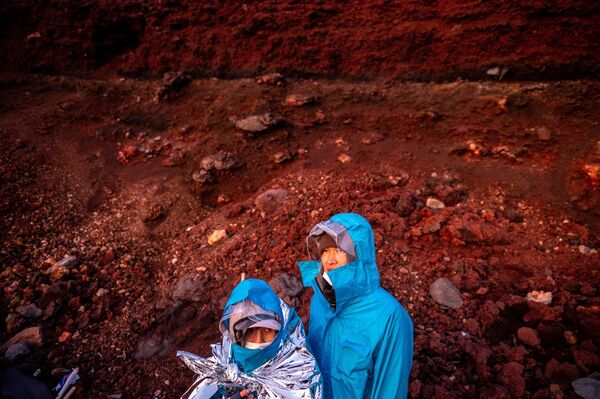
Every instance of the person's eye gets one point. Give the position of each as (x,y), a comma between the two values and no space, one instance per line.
(339,251)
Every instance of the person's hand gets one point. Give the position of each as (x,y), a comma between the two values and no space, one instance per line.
(245,393)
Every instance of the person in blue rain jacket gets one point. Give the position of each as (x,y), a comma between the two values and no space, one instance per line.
(263,354)
(361,336)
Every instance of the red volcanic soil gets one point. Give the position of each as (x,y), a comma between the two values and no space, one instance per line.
(116,174)
(420,40)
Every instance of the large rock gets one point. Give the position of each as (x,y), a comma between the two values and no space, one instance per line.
(31,336)
(287,287)
(30,311)
(258,123)
(150,346)
(445,293)
(222,160)
(587,388)
(270,200)
(188,289)
(16,351)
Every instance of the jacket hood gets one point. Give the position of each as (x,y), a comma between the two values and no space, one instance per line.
(357,278)
(262,295)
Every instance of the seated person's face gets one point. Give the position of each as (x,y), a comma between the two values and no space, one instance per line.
(260,335)
(332,258)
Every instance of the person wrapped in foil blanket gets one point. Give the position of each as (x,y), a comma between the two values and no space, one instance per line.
(263,352)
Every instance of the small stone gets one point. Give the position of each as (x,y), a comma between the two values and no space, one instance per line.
(344,158)
(33,36)
(148,347)
(216,236)
(56,271)
(202,176)
(13,322)
(64,336)
(497,71)
(223,199)
(445,293)
(431,226)
(68,261)
(298,100)
(482,291)
(30,311)
(101,292)
(528,336)
(585,250)
(400,179)
(154,213)
(372,138)
(540,297)
(434,203)
(544,134)
(405,206)
(282,156)
(513,215)
(587,388)
(556,392)
(271,79)
(16,351)
(570,337)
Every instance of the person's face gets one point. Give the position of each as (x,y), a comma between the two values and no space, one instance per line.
(332,258)
(260,335)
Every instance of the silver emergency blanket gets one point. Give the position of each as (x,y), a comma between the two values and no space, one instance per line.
(290,374)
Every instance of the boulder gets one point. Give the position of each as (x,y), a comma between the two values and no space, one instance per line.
(31,336)
(287,287)
(445,293)
(16,351)
(587,388)
(259,123)
(29,311)
(270,200)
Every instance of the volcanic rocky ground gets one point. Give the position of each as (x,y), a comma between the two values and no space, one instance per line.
(112,189)
(141,177)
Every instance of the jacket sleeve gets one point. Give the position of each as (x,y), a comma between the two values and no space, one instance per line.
(393,358)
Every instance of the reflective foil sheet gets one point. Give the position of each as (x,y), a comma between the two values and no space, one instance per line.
(289,374)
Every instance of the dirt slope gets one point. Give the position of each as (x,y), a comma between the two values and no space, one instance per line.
(131,177)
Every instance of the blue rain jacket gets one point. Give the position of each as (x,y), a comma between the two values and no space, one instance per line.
(263,295)
(364,348)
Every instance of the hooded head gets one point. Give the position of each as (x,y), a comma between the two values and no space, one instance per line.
(353,234)
(253,303)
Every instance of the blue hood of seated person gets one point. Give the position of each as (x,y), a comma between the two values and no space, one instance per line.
(261,294)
